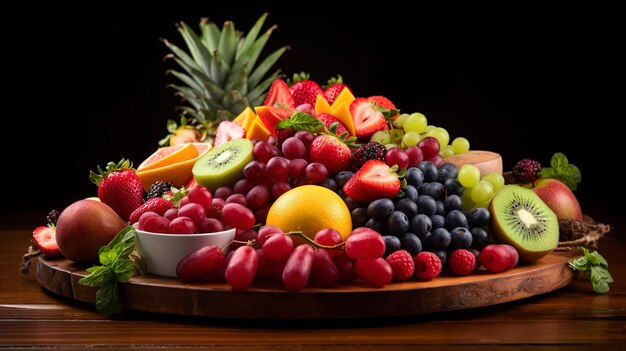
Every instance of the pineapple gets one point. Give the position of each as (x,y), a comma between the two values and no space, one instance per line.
(219,76)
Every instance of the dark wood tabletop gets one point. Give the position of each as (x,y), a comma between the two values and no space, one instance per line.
(571,318)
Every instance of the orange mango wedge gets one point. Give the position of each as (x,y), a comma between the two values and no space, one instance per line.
(173,165)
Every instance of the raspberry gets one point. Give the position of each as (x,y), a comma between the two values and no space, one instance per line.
(427,265)
(462,262)
(526,171)
(402,264)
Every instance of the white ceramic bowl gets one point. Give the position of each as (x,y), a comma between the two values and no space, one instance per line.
(163,251)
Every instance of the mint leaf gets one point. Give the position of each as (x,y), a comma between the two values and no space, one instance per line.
(107,257)
(596,267)
(301,121)
(108,299)
(99,274)
(559,162)
(562,170)
(579,264)
(548,172)
(124,270)
(600,279)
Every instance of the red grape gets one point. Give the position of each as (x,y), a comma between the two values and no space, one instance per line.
(257,197)
(345,266)
(415,155)
(200,195)
(242,186)
(237,199)
(193,211)
(184,201)
(324,272)
(216,208)
(205,263)
(328,237)
(144,217)
(305,137)
(437,160)
(495,258)
(293,148)
(169,214)
(210,225)
(224,192)
(365,245)
(396,156)
(278,247)
(316,172)
(238,216)
(376,273)
(263,151)
(242,267)
(254,170)
(301,181)
(277,169)
(297,168)
(266,231)
(513,255)
(298,268)
(280,188)
(156,224)
(182,225)
(430,147)
(246,236)
(261,213)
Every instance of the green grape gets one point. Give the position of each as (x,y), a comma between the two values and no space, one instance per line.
(428,130)
(496,180)
(447,151)
(396,135)
(469,176)
(460,145)
(482,192)
(411,139)
(399,122)
(389,146)
(381,136)
(415,123)
(466,199)
(441,135)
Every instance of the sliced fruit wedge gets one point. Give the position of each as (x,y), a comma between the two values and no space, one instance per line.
(270,116)
(228,131)
(169,155)
(245,118)
(279,95)
(345,97)
(176,173)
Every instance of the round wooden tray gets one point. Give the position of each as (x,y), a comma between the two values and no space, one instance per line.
(445,293)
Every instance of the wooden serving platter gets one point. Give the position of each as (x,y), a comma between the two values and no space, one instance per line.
(445,293)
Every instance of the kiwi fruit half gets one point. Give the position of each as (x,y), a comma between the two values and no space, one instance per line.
(521,219)
(224,164)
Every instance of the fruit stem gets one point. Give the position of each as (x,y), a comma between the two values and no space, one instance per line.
(313,242)
(246,242)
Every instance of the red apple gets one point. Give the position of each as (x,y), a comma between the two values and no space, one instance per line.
(559,198)
(85,226)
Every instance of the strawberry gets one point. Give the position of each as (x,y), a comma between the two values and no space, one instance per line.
(270,116)
(334,88)
(119,187)
(384,102)
(329,119)
(374,180)
(367,118)
(45,238)
(227,131)
(305,92)
(279,95)
(330,151)
(157,205)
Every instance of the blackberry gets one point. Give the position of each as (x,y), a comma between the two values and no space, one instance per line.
(526,171)
(53,216)
(158,189)
(370,151)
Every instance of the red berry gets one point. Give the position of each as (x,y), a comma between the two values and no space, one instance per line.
(461,262)
(526,171)
(427,265)
(402,264)
(45,238)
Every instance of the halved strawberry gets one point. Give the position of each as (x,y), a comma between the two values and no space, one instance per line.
(270,116)
(331,152)
(279,95)
(227,131)
(329,119)
(157,205)
(374,180)
(45,238)
(367,119)
(384,102)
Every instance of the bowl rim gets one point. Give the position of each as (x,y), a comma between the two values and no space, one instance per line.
(195,235)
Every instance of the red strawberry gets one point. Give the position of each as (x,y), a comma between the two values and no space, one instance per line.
(374,180)
(329,119)
(45,238)
(331,152)
(279,95)
(305,92)
(270,116)
(157,205)
(119,187)
(334,88)
(367,119)
(383,102)
(227,131)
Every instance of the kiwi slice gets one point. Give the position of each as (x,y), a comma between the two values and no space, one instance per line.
(521,219)
(224,164)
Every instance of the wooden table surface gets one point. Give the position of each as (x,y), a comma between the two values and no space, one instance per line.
(572,318)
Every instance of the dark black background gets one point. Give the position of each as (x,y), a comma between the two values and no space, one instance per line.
(517,80)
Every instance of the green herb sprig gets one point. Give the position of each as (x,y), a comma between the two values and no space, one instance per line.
(562,170)
(596,267)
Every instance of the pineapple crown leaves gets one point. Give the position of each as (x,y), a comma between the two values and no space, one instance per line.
(220,74)
(111,167)
(333,80)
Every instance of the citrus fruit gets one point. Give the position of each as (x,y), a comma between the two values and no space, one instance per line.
(174,164)
(310,208)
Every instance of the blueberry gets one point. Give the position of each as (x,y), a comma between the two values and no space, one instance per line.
(429,169)
(438,221)
(426,205)
(440,238)
(414,177)
(420,225)
(352,204)
(453,202)
(392,244)
(359,217)
(479,217)
(461,238)
(407,206)
(397,223)
(379,225)
(441,208)
(456,218)
(443,256)
(410,192)
(411,243)
(447,171)
(453,187)
(329,183)
(480,238)
(380,208)
(434,190)
(342,177)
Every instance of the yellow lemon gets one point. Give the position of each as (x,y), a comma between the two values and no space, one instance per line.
(310,208)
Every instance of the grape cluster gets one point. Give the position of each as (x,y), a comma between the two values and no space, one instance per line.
(478,191)
(428,216)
